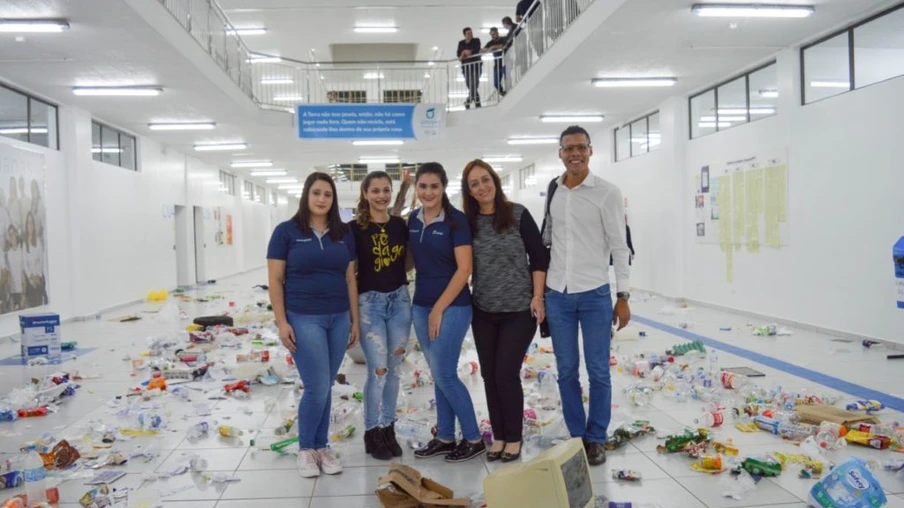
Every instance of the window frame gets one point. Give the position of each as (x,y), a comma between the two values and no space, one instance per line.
(119,134)
(28,100)
(715,89)
(850,48)
(630,128)
(228,180)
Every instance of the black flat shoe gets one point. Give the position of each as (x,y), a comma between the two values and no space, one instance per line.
(435,447)
(511,457)
(466,450)
(494,456)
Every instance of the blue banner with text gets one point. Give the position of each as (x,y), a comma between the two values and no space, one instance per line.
(371,121)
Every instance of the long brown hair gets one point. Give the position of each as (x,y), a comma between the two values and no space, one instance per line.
(302,217)
(362,214)
(503,217)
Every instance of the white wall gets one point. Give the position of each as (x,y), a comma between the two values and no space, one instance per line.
(846,209)
(110,238)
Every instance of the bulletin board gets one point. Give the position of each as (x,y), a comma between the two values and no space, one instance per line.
(742,205)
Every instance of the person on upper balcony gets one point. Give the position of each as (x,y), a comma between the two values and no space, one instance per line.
(471,66)
(497,45)
(529,14)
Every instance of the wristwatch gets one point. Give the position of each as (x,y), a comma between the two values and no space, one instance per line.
(624,295)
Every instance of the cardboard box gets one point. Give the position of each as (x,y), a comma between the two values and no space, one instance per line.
(40,337)
(404,487)
(818,413)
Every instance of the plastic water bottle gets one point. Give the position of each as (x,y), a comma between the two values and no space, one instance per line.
(412,430)
(34,472)
(711,418)
(198,430)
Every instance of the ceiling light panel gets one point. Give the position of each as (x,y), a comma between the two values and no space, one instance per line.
(118,91)
(374,29)
(571,118)
(633,82)
(22,26)
(221,147)
(752,10)
(182,126)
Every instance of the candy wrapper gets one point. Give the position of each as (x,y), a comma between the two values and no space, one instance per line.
(62,456)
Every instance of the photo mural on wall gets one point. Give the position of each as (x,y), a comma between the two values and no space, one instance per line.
(23,219)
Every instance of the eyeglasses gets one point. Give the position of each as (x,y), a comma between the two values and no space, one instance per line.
(573,148)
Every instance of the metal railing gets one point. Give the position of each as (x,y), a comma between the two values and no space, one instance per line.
(282,83)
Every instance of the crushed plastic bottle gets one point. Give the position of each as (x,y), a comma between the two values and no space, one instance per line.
(34,473)
(199,430)
(229,431)
(640,395)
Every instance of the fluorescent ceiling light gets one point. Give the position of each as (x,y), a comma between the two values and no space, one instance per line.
(264,59)
(33,25)
(374,75)
(277,81)
(362,29)
(272,172)
(488,57)
(724,118)
(106,150)
(712,125)
(632,82)
(282,180)
(426,75)
(571,118)
(291,187)
(455,108)
(22,130)
(288,98)
(431,64)
(769,93)
(252,164)
(502,30)
(379,160)
(533,141)
(830,84)
(189,126)
(221,147)
(435,48)
(504,158)
(117,90)
(752,10)
(248,31)
(378,142)
(742,111)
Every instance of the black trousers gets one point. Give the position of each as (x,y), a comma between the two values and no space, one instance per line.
(502,340)
(472,72)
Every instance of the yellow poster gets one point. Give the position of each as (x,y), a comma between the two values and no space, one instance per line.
(738,184)
(772,208)
(725,225)
(754,208)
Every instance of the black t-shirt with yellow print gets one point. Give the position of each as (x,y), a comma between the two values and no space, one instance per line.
(381,255)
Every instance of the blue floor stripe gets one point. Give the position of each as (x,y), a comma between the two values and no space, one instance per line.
(855,390)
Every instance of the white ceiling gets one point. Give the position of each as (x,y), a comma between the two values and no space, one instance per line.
(110,44)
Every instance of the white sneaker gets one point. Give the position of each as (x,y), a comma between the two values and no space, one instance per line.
(308,463)
(329,463)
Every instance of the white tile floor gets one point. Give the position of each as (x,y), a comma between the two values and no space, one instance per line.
(268,479)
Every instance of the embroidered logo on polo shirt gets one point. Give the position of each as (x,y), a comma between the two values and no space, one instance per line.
(435,232)
(415,231)
(304,240)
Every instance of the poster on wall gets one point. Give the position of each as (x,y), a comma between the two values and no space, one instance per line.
(229,230)
(23,220)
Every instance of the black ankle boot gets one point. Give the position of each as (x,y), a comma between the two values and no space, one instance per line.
(375,444)
(391,441)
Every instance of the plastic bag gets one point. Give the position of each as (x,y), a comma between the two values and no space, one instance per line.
(850,485)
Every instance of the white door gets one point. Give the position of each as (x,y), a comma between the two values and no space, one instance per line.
(184,242)
(200,246)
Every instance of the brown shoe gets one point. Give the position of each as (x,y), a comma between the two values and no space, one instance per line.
(596,453)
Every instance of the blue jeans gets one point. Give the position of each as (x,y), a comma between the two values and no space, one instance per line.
(320,344)
(593,311)
(452,397)
(385,326)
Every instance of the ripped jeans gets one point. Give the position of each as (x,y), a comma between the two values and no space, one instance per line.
(385,328)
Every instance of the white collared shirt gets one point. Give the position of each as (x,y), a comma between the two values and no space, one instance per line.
(588,224)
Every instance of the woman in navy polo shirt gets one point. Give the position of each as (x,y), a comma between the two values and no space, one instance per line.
(440,242)
(311,264)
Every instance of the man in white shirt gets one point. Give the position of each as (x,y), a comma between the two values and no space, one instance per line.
(584,224)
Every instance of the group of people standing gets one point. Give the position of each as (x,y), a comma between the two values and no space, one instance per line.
(332,284)
(22,221)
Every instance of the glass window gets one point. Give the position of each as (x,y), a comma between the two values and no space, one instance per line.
(639,141)
(109,145)
(703,108)
(95,142)
(763,92)
(43,124)
(260,195)
(655,134)
(827,70)
(127,153)
(622,143)
(732,104)
(248,191)
(13,115)
(879,49)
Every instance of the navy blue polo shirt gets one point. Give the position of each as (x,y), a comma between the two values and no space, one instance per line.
(433,248)
(315,269)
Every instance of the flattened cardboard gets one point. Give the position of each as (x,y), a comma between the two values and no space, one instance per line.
(818,413)
(405,487)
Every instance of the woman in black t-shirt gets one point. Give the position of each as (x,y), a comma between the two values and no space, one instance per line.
(385,309)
